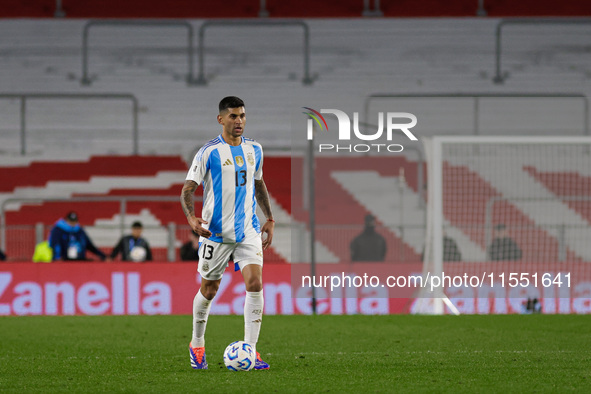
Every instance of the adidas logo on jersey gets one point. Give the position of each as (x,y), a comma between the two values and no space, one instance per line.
(227,163)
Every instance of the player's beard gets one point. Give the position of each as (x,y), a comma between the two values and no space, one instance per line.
(237,133)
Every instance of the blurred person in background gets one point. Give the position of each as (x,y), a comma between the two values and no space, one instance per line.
(451,252)
(133,247)
(503,247)
(190,249)
(369,245)
(69,241)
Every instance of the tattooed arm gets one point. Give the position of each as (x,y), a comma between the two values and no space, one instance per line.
(262,196)
(189,209)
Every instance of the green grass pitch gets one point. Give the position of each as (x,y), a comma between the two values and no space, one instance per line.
(534,353)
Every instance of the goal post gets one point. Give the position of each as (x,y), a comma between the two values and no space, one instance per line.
(432,302)
(502,204)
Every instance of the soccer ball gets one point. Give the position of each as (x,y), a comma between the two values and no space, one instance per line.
(138,254)
(239,356)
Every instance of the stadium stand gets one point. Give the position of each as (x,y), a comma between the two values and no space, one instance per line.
(38,174)
(80,148)
(337,195)
(162,176)
(401,55)
(307,9)
(336,182)
(567,184)
(462,179)
(156,176)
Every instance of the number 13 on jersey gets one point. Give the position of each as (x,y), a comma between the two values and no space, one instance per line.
(241,178)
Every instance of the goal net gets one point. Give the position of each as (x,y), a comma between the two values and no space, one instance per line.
(501,208)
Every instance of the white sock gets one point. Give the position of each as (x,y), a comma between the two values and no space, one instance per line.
(253,316)
(201,307)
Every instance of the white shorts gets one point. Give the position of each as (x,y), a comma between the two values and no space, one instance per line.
(214,256)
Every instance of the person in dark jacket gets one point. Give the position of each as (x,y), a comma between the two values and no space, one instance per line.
(190,249)
(133,247)
(503,247)
(369,245)
(69,241)
(451,252)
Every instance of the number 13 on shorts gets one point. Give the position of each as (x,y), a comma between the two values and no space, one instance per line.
(214,256)
(207,252)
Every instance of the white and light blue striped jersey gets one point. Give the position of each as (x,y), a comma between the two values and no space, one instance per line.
(228,174)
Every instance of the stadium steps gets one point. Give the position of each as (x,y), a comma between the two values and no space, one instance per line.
(414,214)
(381,197)
(277,176)
(40,173)
(473,185)
(567,184)
(339,216)
(352,59)
(551,213)
(287,229)
(119,176)
(97,185)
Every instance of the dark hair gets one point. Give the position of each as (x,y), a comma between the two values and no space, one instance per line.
(137,225)
(72,216)
(500,227)
(230,102)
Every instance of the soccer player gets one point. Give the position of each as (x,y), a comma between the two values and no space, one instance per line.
(231,169)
